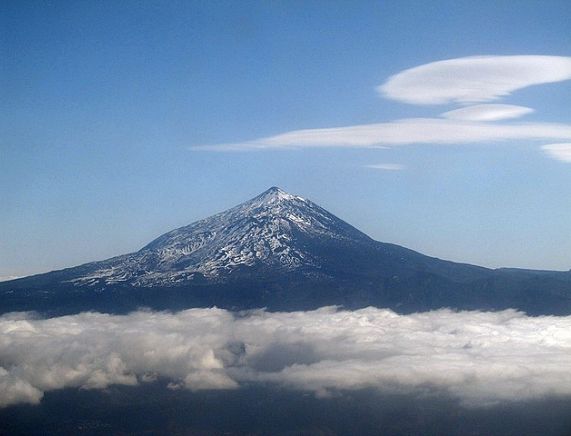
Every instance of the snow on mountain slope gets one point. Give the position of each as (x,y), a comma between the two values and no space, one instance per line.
(273,230)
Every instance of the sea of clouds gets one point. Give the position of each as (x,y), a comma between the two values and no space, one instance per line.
(478,357)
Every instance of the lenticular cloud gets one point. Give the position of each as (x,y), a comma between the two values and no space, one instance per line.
(477,357)
(474,79)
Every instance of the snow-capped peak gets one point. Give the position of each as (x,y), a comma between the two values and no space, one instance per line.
(272,230)
(272,196)
(275,194)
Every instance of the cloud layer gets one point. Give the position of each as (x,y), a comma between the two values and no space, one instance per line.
(474,79)
(488,112)
(462,81)
(386,166)
(560,152)
(403,132)
(474,356)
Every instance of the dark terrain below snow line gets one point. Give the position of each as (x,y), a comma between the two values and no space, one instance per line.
(282,252)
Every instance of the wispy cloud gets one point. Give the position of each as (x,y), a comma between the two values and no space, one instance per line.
(478,357)
(560,152)
(386,166)
(488,112)
(462,80)
(403,132)
(474,79)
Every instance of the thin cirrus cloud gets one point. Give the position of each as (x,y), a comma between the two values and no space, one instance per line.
(386,166)
(473,79)
(402,132)
(560,152)
(461,81)
(488,112)
(477,357)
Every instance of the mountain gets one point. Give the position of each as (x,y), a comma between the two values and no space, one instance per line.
(284,252)
(274,233)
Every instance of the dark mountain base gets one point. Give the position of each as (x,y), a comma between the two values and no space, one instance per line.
(153,409)
(420,292)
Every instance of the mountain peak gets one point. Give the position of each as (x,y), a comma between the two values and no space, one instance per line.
(274,194)
(275,189)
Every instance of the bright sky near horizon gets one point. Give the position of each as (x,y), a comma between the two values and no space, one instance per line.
(442,126)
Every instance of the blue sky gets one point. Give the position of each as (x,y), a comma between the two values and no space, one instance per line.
(122,120)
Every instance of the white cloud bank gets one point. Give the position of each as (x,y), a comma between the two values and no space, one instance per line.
(560,152)
(474,79)
(403,132)
(478,357)
(488,112)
